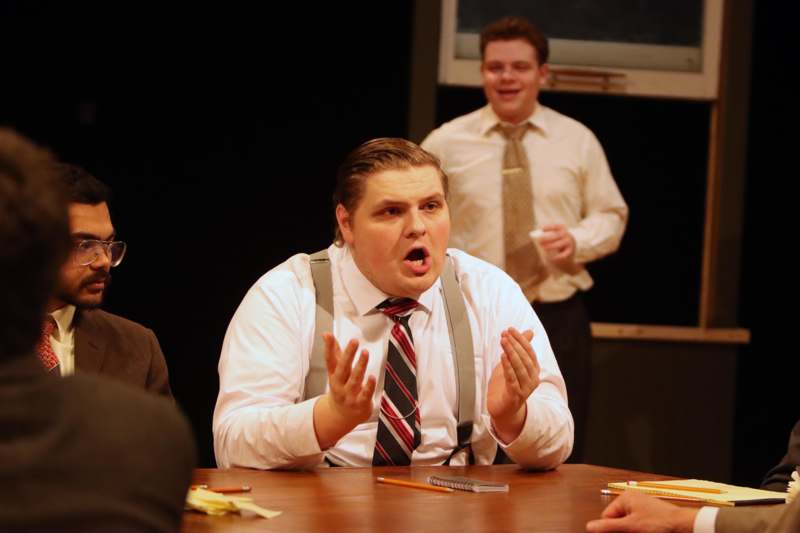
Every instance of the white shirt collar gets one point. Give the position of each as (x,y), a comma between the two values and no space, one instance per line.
(63,318)
(489,119)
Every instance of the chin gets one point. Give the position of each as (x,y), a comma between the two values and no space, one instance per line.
(88,302)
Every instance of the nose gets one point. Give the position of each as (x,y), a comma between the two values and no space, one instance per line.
(103,260)
(416,224)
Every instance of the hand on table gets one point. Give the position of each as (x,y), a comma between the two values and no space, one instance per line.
(632,512)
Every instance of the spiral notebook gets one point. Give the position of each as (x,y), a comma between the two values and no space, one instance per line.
(468,484)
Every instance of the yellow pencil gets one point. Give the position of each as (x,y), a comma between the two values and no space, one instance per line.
(412,484)
(661,496)
(667,486)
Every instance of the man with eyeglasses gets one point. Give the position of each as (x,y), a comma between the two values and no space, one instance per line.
(77,335)
(83,453)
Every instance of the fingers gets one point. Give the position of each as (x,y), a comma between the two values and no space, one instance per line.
(353,385)
(617,508)
(550,234)
(520,354)
(607,525)
(345,364)
(331,352)
(367,390)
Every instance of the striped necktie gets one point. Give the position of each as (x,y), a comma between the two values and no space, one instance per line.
(399,420)
(44,348)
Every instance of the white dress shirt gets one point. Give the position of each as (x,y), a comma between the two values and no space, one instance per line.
(261,421)
(705,519)
(571,185)
(63,339)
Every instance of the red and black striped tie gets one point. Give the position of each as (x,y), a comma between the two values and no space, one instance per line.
(399,421)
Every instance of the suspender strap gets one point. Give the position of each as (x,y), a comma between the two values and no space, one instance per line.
(317,377)
(463,355)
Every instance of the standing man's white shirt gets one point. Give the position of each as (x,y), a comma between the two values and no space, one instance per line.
(260,420)
(571,182)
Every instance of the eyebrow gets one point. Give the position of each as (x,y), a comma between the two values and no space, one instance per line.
(90,236)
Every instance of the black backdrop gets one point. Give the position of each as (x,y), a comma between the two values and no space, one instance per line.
(220,128)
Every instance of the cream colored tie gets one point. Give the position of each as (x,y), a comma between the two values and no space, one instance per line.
(523,262)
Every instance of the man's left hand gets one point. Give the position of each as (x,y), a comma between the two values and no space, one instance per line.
(559,244)
(512,381)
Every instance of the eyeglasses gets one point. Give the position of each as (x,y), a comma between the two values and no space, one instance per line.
(87,251)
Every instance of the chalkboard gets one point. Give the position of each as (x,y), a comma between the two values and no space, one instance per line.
(655,47)
(677,22)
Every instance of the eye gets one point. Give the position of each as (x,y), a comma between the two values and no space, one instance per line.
(522,67)
(391,211)
(431,206)
(495,68)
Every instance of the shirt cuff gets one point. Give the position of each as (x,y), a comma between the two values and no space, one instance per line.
(705,519)
(524,438)
(303,441)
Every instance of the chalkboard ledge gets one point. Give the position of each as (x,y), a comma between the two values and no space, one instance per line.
(643,332)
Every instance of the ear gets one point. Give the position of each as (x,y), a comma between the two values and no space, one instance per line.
(345,223)
(544,74)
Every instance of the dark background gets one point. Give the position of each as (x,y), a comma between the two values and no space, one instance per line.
(220,130)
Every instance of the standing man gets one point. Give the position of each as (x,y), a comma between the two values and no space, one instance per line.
(392,393)
(80,453)
(532,193)
(77,335)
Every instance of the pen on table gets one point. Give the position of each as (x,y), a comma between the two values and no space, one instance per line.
(615,492)
(717,503)
(668,486)
(413,484)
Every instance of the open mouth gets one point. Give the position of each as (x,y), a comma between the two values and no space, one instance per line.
(508,93)
(418,260)
(417,255)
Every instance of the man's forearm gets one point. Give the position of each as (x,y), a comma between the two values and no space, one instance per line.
(330,424)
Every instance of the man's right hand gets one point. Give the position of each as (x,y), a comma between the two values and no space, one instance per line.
(349,400)
(637,513)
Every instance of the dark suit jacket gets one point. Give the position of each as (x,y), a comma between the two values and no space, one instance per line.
(778,478)
(759,519)
(120,349)
(86,453)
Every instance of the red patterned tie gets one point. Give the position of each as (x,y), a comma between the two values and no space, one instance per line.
(44,348)
(399,421)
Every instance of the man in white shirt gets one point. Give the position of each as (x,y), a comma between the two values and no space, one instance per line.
(638,513)
(571,207)
(81,337)
(393,226)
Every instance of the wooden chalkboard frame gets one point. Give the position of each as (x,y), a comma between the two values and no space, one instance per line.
(701,85)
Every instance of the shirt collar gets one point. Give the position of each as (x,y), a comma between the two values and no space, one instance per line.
(488,119)
(366,296)
(63,318)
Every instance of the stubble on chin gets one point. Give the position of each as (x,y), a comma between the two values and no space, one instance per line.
(81,298)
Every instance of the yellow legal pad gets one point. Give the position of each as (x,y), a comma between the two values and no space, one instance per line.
(728,494)
(214,503)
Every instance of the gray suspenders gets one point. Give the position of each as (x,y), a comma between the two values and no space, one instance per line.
(457,323)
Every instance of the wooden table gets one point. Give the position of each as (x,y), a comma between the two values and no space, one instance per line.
(349,499)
